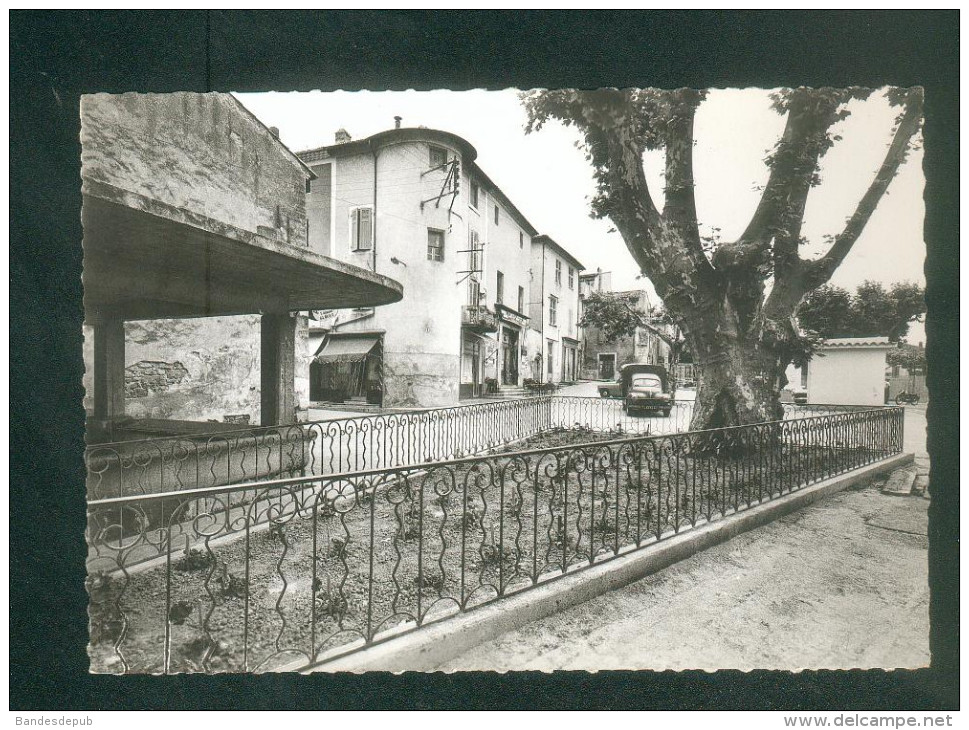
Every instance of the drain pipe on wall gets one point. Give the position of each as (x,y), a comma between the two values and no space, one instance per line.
(375,153)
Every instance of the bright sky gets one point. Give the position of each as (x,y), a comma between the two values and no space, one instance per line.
(550,181)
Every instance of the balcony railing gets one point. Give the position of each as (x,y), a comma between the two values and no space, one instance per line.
(478,318)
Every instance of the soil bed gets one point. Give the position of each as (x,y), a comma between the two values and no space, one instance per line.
(331,572)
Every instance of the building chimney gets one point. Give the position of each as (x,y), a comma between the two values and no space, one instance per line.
(342,136)
(397,122)
(274,131)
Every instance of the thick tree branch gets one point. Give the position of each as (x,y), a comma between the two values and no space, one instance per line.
(680,208)
(793,169)
(819,271)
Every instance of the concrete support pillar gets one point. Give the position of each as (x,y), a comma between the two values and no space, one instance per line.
(277,369)
(108,367)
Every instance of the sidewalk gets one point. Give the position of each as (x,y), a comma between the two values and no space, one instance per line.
(841,584)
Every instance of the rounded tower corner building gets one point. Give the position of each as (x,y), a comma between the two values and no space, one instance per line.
(411,203)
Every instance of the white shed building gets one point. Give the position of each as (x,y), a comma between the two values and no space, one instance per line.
(849,371)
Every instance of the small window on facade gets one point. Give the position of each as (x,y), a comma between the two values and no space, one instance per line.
(521,240)
(553,304)
(521,299)
(435,245)
(474,194)
(474,254)
(571,278)
(438,156)
(496,215)
(309,185)
(500,289)
(361,229)
(558,272)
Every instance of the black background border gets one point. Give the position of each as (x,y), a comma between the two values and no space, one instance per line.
(57,55)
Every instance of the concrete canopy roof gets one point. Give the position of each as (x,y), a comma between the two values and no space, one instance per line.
(144,259)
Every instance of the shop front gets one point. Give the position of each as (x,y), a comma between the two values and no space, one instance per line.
(511,336)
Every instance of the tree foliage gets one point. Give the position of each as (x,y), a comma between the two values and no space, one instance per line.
(616,316)
(872,311)
(741,331)
(907,356)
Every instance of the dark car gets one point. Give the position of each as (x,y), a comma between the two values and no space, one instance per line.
(612,389)
(646,388)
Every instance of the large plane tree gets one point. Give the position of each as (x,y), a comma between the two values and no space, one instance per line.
(734,301)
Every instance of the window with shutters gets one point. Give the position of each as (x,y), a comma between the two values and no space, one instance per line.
(571,278)
(474,194)
(553,304)
(500,289)
(521,299)
(361,228)
(474,253)
(496,215)
(435,245)
(558,272)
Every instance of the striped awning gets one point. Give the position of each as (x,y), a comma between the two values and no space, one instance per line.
(347,349)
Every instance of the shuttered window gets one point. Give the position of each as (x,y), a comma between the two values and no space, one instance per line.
(361,229)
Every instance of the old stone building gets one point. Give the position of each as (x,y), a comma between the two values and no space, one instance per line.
(412,203)
(196,264)
(603,357)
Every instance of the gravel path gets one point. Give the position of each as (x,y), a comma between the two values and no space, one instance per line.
(840,584)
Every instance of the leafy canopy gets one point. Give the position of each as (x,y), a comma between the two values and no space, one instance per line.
(872,311)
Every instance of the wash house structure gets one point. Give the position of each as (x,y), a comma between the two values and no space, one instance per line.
(412,204)
(195,237)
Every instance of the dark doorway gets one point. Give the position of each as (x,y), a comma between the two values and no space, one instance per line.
(607,367)
(509,356)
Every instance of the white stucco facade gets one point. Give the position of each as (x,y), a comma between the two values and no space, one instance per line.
(849,371)
(554,337)
(435,350)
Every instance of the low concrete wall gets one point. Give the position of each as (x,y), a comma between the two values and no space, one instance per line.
(448,638)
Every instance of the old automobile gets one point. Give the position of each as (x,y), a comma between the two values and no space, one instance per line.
(611,389)
(650,382)
(646,388)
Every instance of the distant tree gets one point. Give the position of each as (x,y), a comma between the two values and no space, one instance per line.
(616,315)
(741,330)
(909,357)
(872,311)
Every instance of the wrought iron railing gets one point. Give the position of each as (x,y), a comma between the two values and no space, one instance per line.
(259,576)
(478,318)
(382,441)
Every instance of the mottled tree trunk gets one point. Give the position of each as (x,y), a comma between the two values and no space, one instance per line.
(739,376)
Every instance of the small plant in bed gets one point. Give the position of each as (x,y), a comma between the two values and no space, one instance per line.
(430,581)
(194,560)
(329,602)
(231,586)
(337,547)
(494,554)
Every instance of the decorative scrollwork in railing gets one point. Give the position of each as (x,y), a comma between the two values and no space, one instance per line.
(266,574)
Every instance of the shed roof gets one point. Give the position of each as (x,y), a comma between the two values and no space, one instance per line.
(844,343)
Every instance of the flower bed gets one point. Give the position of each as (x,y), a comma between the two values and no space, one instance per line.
(343,559)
